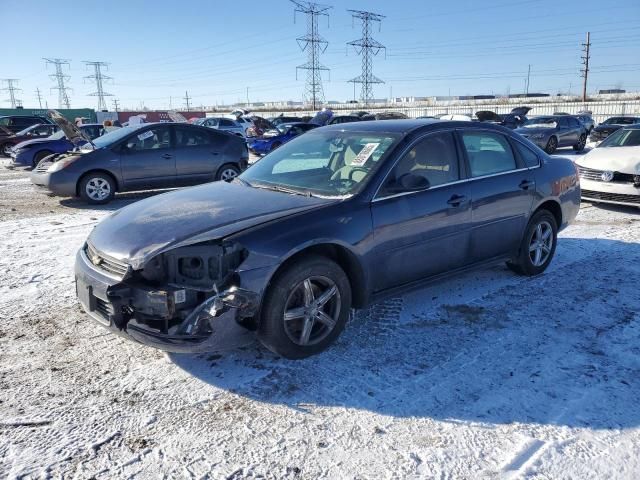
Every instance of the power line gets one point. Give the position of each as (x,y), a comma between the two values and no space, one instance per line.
(61,78)
(314,44)
(98,77)
(368,47)
(39,97)
(585,70)
(12,89)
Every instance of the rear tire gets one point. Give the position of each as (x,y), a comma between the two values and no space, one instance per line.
(582,142)
(316,295)
(552,145)
(5,148)
(227,172)
(40,156)
(538,245)
(97,188)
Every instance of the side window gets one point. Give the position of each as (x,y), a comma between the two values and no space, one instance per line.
(226,123)
(192,137)
(575,123)
(154,138)
(488,153)
(528,155)
(433,158)
(563,123)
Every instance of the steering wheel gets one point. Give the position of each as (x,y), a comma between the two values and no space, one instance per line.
(357,169)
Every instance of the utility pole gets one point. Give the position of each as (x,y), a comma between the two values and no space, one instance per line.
(12,89)
(247,97)
(186,99)
(115,104)
(61,78)
(526,90)
(585,62)
(39,97)
(367,47)
(314,44)
(98,77)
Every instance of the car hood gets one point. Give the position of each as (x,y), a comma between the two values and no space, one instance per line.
(532,131)
(71,131)
(521,110)
(612,127)
(212,211)
(5,132)
(615,159)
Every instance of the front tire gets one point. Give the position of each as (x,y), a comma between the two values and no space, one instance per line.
(582,142)
(39,157)
(538,245)
(97,188)
(305,308)
(5,148)
(552,145)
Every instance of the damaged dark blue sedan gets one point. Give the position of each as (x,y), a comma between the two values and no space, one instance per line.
(333,220)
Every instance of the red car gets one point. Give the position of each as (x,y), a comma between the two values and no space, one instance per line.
(33,132)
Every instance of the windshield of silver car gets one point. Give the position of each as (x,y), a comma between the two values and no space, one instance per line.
(324,163)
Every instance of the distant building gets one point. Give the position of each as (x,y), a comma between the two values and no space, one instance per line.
(611,90)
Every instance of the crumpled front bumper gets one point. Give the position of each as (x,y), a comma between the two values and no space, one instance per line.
(212,326)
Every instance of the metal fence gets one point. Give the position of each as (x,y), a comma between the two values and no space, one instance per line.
(601,110)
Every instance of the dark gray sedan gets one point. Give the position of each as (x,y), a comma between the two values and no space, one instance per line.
(555,131)
(336,218)
(141,157)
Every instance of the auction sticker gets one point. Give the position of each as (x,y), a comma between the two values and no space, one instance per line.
(145,135)
(364,154)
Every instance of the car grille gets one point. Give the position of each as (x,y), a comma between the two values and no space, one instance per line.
(44,166)
(114,267)
(611,197)
(592,174)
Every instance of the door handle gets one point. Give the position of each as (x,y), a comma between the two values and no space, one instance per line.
(457,200)
(526,184)
(215,153)
(167,156)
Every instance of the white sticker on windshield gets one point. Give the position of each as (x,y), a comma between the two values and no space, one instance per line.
(364,154)
(145,135)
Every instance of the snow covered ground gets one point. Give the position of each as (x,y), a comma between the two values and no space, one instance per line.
(487,375)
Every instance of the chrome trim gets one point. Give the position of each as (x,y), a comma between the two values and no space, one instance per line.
(598,200)
(454,183)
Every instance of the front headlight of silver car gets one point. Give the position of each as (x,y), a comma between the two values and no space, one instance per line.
(60,164)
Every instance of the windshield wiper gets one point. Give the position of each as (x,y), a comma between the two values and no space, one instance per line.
(243,181)
(279,188)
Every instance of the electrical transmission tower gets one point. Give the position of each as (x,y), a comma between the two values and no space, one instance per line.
(12,89)
(98,77)
(314,44)
(61,78)
(186,100)
(39,96)
(368,47)
(585,62)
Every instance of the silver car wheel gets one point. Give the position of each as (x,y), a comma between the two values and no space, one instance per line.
(98,189)
(541,244)
(312,310)
(228,174)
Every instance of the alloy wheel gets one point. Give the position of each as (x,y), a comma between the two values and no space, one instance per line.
(228,174)
(98,189)
(541,244)
(312,310)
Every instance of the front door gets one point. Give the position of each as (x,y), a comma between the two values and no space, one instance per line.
(423,233)
(148,159)
(502,190)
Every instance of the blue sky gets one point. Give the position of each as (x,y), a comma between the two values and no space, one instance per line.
(216,49)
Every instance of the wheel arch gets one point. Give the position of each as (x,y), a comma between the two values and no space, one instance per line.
(553,207)
(97,170)
(344,257)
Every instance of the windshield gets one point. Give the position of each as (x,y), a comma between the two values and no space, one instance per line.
(330,163)
(108,139)
(619,121)
(625,137)
(541,122)
(282,128)
(27,130)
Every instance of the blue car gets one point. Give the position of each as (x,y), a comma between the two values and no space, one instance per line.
(272,139)
(31,152)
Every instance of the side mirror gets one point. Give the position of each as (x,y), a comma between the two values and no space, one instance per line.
(410,182)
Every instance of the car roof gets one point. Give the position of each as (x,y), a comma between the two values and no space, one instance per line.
(291,124)
(389,126)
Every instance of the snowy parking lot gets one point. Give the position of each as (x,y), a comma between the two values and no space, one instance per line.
(486,375)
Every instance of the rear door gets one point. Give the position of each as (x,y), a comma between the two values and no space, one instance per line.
(148,159)
(566,135)
(502,188)
(199,154)
(419,234)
